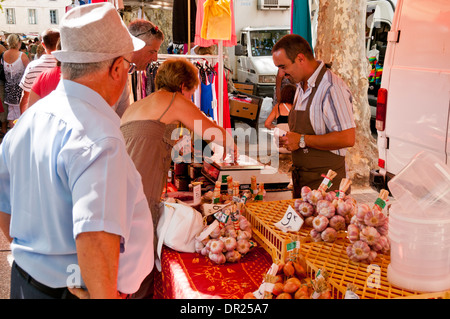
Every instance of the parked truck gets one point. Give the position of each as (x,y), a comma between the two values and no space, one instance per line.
(259,25)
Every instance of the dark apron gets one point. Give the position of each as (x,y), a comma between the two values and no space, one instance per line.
(310,164)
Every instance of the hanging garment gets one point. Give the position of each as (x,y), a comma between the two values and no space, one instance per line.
(198,28)
(180,21)
(226,121)
(216,20)
(301,20)
(206,99)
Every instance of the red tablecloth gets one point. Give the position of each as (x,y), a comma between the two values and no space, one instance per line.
(193,276)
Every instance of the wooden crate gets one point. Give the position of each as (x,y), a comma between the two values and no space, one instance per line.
(370,280)
(244,87)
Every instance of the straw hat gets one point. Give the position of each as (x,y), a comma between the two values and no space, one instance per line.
(94,33)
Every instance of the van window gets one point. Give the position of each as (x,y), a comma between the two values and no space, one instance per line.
(262,41)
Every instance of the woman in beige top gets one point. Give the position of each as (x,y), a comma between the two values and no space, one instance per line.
(148,126)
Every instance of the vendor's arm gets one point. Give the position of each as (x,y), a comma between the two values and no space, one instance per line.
(98,258)
(5,220)
(326,142)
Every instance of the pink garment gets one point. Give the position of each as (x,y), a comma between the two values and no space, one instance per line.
(47,81)
(226,106)
(198,28)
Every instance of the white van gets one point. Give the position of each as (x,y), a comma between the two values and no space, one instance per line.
(413,105)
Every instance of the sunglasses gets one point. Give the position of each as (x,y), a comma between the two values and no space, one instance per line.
(132,67)
(153,31)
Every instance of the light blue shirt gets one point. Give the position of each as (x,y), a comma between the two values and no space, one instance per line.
(64,169)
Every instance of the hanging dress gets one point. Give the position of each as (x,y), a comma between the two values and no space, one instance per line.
(216,20)
(198,28)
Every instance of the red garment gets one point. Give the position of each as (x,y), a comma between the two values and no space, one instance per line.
(226,105)
(47,81)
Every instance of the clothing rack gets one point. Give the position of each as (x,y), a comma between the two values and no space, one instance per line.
(211,59)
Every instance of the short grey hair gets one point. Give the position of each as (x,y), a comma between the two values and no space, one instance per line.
(72,71)
(145,30)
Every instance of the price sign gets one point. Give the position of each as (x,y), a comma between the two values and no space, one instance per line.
(197,190)
(291,221)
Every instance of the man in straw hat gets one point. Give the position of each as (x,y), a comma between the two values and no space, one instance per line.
(71,200)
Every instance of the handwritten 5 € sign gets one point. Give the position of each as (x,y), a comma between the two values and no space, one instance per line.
(291,221)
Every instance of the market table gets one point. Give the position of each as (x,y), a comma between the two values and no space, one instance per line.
(193,276)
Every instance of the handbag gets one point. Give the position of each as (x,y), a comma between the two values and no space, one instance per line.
(2,70)
(177,227)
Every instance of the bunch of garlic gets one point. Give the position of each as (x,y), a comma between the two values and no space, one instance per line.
(227,242)
(368,232)
(326,212)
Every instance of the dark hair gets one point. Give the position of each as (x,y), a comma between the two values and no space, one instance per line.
(50,38)
(293,44)
(288,93)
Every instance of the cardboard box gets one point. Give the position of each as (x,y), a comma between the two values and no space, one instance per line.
(248,110)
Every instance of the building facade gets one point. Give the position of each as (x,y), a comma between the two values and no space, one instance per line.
(31,17)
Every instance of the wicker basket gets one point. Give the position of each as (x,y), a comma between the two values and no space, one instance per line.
(370,280)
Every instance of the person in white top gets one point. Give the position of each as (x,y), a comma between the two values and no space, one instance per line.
(47,61)
(14,63)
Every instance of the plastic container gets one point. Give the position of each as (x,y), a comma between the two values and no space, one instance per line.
(419,226)
(422,188)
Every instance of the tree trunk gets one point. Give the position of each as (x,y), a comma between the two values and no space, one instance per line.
(341,40)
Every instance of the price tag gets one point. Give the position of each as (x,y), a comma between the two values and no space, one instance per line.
(197,190)
(292,245)
(291,221)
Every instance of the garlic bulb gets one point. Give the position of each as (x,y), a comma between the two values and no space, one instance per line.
(305,209)
(216,246)
(315,235)
(233,256)
(314,196)
(353,233)
(325,208)
(329,235)
(361,211)
(243,246)
(369,235)
(218,258)
(304,192)
(230,243)
(320,222)
(374,217)
(337,222)
(358,251)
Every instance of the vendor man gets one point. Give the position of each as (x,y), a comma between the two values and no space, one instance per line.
(321,122)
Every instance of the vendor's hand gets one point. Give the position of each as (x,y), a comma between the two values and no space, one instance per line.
(290,141)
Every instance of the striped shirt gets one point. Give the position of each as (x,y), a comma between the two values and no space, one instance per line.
(35,68)
(331,109)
